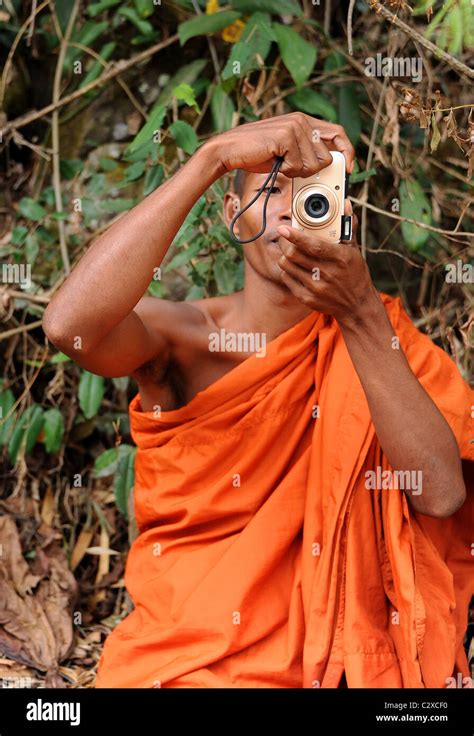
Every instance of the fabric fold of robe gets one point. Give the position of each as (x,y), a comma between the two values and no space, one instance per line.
(264,560)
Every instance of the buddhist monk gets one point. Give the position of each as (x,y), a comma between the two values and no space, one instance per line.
(302,489)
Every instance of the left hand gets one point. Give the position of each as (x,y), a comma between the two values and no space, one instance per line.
(327,277)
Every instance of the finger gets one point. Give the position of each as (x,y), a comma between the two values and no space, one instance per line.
(296,288)
(296,255)
(313,247)
(313,150)
(287,146)
(337,136)
(309,279)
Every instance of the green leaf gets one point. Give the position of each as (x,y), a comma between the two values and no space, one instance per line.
(156,289)
(195,292)
(27,429)
(91,392)
(119,204)
(415,205)
(30,209)
(276,7)
(202,24)
(59,358)
(361,176)
(455,21)
(97,68)
(151,129)
(186,93)
(106,463)
(298,55)
(256,38)
(97,8)
(335,60)
(191,218)
(108,164)
(124,479)
(34,417)
(7,400)
(184,256)
(240,61)
(258,33)
(222,109)
(187,75)
(349,112)
(224,273)
(31,248)
(15,440)
(144,7)
(153,179)
(19,234)
(86,34)
(144,26)
(134,171)
(184,135)
(53,430)
(313,103)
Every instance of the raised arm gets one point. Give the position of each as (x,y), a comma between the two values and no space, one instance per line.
(99,317)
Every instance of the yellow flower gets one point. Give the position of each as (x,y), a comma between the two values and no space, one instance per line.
(212,6)
(232,33)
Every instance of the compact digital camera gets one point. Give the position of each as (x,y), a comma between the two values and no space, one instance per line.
(318,202)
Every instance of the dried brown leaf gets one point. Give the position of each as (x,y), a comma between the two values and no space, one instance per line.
(35,609)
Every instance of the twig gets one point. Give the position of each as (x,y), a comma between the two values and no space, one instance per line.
(463,211)
(210,42)
(365,188)
(16,41)
(382,251)
(327,16)
(408,219)
(349,26)
(135,102)
(21,328)
(310,83)
(55,136)
(118,68)
(435,50)
(38,298)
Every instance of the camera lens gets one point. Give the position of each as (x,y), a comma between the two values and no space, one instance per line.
(316,205)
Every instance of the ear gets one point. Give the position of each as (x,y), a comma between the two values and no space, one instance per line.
(231,207)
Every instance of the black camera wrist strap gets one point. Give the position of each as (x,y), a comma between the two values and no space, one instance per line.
(273,175)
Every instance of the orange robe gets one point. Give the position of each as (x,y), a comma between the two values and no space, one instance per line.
(263,560)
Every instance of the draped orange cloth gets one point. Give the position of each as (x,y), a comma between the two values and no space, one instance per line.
(263,560)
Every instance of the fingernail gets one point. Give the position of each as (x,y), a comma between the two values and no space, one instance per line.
(283,231)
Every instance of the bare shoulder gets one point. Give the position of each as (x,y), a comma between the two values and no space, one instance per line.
(182,327)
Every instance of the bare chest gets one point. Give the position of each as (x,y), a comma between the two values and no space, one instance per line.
(173,386)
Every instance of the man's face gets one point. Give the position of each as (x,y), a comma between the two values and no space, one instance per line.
(261,254)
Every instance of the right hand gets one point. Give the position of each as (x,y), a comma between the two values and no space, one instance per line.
(254,146)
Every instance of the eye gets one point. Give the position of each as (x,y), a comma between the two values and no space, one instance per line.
(274,189)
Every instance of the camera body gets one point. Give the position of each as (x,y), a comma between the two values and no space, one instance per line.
(318,202)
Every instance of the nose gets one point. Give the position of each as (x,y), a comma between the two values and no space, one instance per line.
(285,213)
